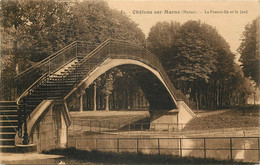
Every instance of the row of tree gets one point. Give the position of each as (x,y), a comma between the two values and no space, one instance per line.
(196,57)
(249,50)
(200,63)
(115,90)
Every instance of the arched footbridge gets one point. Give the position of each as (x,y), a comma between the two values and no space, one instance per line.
(64,76)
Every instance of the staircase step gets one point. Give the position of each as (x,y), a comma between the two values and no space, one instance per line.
(31,105)
(8,112)
(8,117)
(8,107)
(66,81)
(7,135)
(7,148)
(76,76)
(33,98)
(33,102)
(72,74)
(51,91)
(8,128)
(5,142)
(8,122)
(60,83)
(4,103)
(51,85)
(42,96)
(80,68)
(54,87)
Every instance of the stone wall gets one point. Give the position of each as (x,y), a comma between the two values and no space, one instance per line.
(185,113)
(171,120)
(51,131)
(164,120)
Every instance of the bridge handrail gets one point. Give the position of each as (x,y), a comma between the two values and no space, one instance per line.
(25,93)
(149,58)
(154,61)
(47,59)
(40,63)
(109,47)
(51,64)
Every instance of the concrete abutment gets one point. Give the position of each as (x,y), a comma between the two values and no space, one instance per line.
(47,127)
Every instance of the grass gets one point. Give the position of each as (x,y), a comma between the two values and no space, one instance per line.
(237,117)
(74,156)
(111,116)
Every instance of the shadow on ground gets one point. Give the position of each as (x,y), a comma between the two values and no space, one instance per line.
(74,156)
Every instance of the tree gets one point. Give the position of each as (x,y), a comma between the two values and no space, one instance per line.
(162,40)
(250,50)
(106,83)
(94,21)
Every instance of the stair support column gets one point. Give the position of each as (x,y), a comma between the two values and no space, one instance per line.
(95,97)
(25,133)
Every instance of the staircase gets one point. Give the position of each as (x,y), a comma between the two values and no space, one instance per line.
(52,87)
(8,125)
(57,85)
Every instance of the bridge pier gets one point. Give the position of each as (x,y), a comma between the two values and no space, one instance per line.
(62,128)
(48,126)
(171,120)
(164,120)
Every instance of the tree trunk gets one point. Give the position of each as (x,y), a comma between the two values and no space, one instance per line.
(107,102)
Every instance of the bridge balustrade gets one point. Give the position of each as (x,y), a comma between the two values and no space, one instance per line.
(51,64)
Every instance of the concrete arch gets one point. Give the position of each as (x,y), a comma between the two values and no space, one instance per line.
(110,63)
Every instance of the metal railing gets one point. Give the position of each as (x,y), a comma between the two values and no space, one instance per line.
(52,63)
(142,128)
(206,147)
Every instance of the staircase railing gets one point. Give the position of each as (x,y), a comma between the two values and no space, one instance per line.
(70,52)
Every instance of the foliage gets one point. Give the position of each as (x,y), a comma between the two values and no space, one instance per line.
(185,49)
(199,62)
(43,27)
(36,29)
(106,81)
(249,50)
(162,39)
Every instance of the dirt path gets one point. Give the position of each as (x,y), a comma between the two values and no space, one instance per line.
(203,113)
(34,158)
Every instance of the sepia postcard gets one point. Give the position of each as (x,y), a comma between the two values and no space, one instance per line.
(129,81)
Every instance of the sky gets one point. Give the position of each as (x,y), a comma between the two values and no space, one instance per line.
(228,17)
